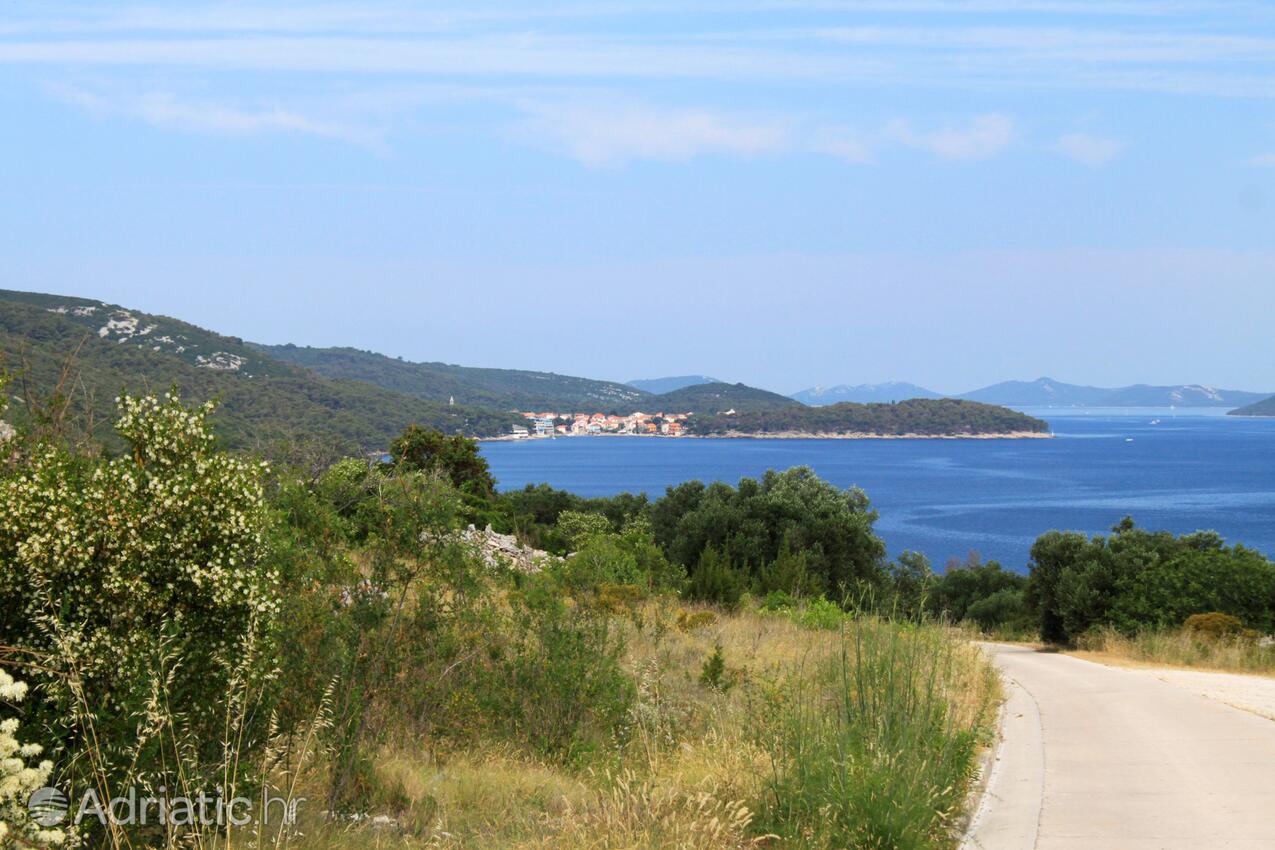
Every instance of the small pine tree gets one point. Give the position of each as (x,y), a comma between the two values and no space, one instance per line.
(789,573)
(713,674)
(715,579)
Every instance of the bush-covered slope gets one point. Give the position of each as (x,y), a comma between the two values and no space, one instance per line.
(931,417)
(263,400)
(503,388)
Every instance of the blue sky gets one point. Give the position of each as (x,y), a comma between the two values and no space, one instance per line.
(783,192)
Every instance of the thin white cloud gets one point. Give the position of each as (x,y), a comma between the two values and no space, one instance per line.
(382,17)
(1087,149)
(601,136)
(168,112)
(982,137)
(848,146)
(1088,57)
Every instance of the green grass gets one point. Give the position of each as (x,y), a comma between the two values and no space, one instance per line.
(877,744)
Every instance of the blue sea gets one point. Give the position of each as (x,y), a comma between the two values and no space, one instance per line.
(1174,470)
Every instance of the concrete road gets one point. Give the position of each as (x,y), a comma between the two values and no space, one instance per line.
(1104,758)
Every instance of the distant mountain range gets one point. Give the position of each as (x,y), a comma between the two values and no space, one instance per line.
(668,385)
(863,393)
(1046,392)
(1042,392)
(1266,407)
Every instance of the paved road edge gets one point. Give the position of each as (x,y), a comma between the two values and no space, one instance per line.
(1008,812)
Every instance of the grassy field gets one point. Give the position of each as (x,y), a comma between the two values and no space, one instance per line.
(863,735)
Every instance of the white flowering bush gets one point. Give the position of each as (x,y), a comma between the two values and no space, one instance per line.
(19,777)
(140,582)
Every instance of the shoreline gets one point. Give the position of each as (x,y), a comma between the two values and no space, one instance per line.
(787,435)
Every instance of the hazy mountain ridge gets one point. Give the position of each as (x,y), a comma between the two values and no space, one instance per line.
(863,393)
(1046,392)
(658,386)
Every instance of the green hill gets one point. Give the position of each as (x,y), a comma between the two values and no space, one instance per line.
(1261,408)
(930,417)
(716,398)
(263,401)
(503,388)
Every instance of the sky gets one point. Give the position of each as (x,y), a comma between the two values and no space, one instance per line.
(787,193)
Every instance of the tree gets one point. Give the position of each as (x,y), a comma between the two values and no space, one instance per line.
(912,581)
(715,579)
(1135,579)
(455,457)
(830,527)
(965,584)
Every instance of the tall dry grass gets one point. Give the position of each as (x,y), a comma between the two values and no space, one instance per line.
(860,736)
(1183,648)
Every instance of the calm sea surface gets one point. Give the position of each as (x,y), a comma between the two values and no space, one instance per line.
(1195,470)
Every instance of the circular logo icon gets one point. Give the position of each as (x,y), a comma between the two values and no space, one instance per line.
(47,806)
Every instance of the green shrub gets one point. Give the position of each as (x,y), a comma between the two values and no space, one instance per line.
(1004,609)
(1214,625)
(581,526)
(604,557)
(552,679)
(820,614)
(716,580)
(778,600)
(142,582)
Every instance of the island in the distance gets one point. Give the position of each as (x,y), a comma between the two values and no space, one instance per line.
(918,417)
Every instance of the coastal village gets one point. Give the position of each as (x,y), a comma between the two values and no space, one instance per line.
(550,424)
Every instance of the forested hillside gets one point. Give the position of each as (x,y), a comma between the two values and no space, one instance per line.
(104,349)
(503,388)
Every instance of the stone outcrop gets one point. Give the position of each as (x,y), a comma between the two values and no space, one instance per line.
(504,550)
